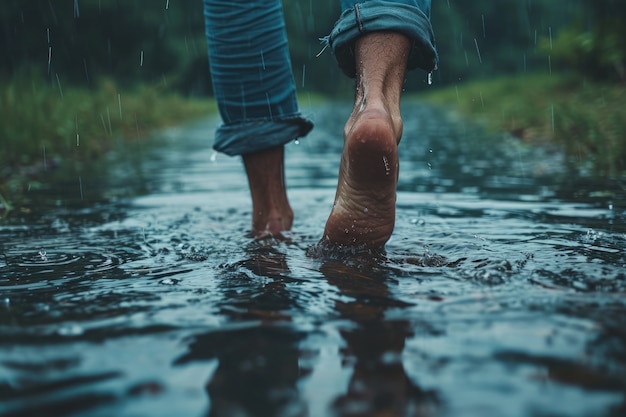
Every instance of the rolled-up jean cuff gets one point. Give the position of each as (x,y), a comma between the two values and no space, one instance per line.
(383,15)
(256,135)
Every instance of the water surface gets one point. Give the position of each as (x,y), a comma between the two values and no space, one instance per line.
(134,290)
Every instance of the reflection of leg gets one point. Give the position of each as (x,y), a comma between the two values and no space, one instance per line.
(364,209)
(271,213)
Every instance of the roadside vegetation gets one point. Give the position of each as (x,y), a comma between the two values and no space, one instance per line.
(112,72)
(43,125)
(586,119)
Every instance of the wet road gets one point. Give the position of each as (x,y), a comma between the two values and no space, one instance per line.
(132,289)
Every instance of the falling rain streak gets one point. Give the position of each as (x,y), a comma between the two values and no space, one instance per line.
(59,84)
(480,59)
(49,51)
(484,31)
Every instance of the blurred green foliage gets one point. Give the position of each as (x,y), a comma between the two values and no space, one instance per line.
(595,44)
(145,47)
(586,119)
(144,41)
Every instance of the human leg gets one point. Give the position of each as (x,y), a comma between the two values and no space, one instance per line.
(271,212)
(364,209)
(376,43)
(255,91)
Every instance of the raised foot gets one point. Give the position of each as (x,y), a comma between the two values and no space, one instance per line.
(364,210)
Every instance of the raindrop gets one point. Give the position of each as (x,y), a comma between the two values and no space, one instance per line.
(297,142)
(262,59)
(478,51)
(303,73)
(86,71)
(550,31)
(49,50)
(7,301)
(610,206)
(141,58)
(213,157)
(77,135)
(76,10)
(550,64)
(71,330)
(430,78)
(365,210)
(80,185)
(167,4)
(386,162)
(59,84)
(119,103)
(269,106)
(484,31)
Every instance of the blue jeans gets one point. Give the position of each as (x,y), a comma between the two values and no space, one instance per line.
(251,70)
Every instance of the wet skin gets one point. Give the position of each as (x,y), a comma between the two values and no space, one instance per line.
(363,213)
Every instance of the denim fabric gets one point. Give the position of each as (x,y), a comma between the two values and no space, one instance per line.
(251,70)
(410,17)
(252,77)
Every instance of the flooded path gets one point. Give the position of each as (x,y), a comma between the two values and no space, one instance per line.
(137,292)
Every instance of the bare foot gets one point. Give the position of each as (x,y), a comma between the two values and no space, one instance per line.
(271,212)
(364,209)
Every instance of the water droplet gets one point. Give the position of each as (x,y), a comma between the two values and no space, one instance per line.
(610,206)
(297,142)
(365,210)
(346,231)
(71,330)
(430,78)
(386,162)
(213,157)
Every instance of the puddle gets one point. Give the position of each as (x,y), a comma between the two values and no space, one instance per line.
(501,292)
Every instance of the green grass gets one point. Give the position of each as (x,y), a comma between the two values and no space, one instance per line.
(41,122)
(36,116)
(588,120)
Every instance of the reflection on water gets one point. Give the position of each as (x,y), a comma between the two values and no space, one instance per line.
(501,292)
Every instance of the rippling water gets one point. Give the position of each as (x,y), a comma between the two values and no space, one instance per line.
(133,290)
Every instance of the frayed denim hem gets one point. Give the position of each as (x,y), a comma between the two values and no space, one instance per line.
(382,15)
(251,136)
